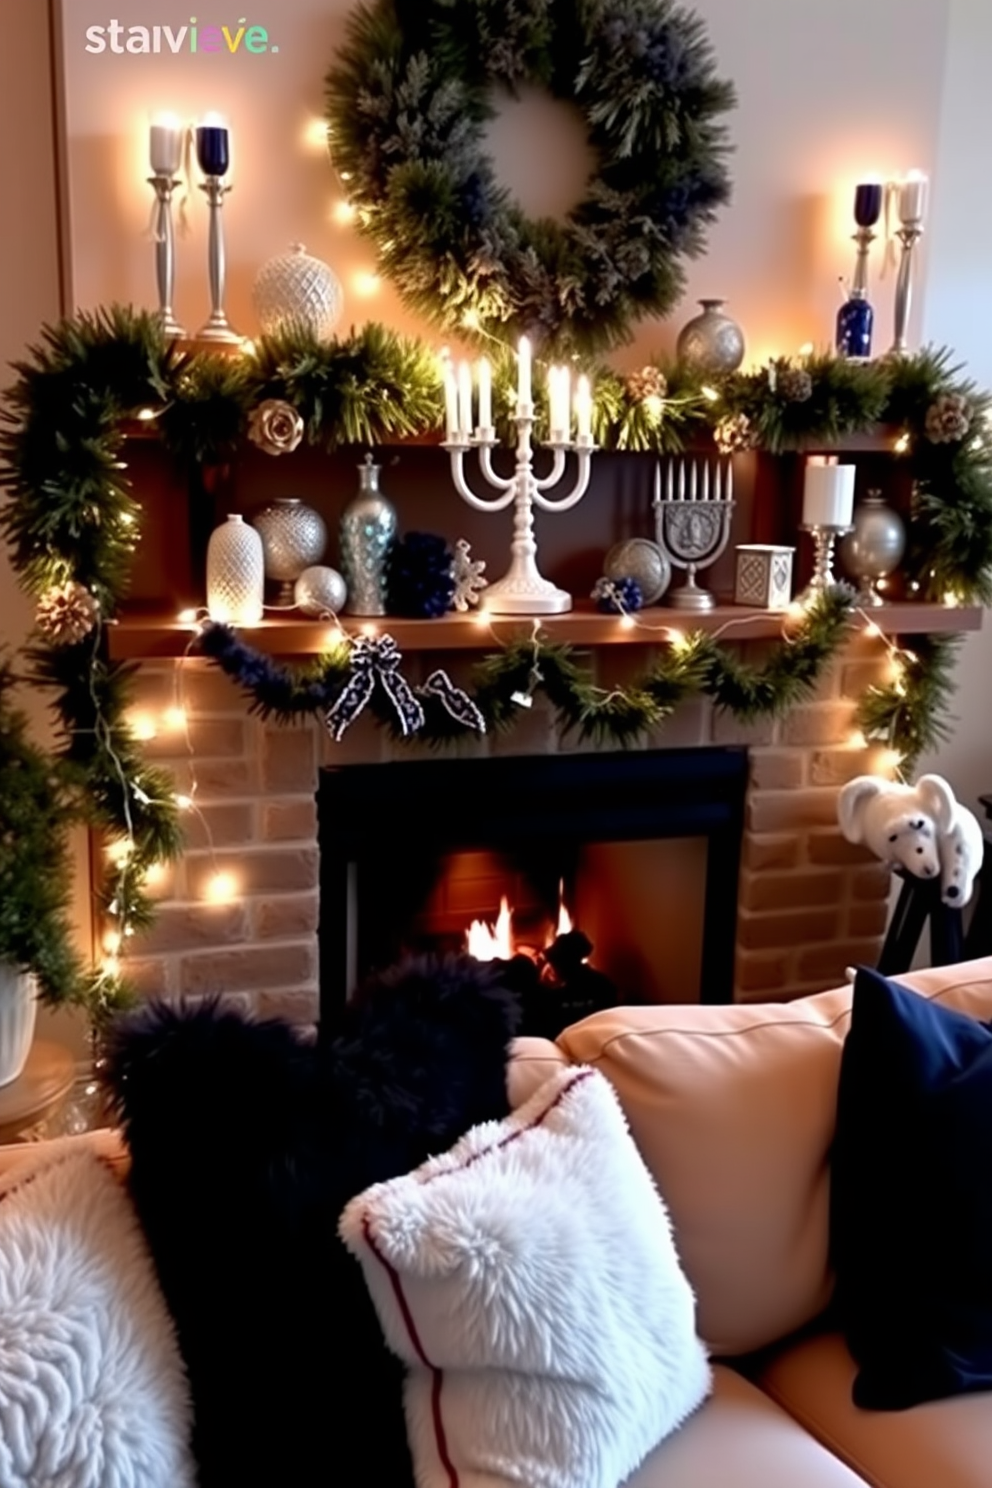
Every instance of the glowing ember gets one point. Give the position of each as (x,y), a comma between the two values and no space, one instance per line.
(492,942)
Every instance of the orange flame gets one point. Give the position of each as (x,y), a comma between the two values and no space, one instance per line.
(492,942)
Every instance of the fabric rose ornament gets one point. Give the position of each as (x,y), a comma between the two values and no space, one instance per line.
(275,426)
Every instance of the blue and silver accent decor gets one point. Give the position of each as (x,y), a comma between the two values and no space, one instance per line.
(856,318)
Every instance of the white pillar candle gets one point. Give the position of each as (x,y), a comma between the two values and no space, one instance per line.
(450,400)
(464,399)
(583,408)
(485,394)
(913,197)
(165,145)
(828,496)
(524,391)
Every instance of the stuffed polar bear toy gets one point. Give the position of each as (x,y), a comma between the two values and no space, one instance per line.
(920,827)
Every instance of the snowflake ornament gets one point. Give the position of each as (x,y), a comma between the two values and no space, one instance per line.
(467,574)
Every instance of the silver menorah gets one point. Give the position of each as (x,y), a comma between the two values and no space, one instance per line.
(692,522)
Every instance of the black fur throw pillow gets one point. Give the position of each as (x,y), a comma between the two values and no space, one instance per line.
(246,1143)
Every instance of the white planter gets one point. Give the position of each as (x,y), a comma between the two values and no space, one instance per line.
(18,1006)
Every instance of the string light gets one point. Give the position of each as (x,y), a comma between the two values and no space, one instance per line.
(248,347)
(901,445)
(316,134)
(366,284)
(221,888)
(710,394)
(184,803)
(188,617)
(146,415)
(344,213)
(143,727)
(154,874)
(174,717)
(952,601)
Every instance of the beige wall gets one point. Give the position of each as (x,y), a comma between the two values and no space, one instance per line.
(29,295)
(826,92)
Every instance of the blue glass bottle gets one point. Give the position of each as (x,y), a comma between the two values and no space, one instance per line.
(855,320)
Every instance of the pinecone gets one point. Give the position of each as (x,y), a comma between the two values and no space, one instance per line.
(650,382)
(734,434)
(794,385)
(948,419)
(67,613)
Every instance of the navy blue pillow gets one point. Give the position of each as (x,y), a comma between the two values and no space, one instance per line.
(911,1198)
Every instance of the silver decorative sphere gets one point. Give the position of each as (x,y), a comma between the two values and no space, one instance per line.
(639,558)
(320,591)
(711,342)
(874,546)
(293,537)
(297,292)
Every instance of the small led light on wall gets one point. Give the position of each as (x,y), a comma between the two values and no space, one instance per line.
(221,888)
(343,213)
(174,717)
(366,284)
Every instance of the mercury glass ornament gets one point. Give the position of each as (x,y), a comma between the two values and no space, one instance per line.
(874,546)
(293,537)
(297,292)
(711,342)
(235,573)
(320,591)
(642,560)
(368,526)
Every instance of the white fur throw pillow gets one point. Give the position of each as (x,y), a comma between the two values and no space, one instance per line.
(92,1389)
(530,1281)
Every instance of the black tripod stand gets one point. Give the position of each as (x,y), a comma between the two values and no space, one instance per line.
(919,901)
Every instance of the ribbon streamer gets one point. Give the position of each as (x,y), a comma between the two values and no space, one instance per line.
(456,703)
(374,661)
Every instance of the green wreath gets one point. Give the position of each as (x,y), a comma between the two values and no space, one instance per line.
(408,101)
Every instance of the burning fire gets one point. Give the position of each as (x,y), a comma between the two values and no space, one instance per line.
(492,942)
(487,942)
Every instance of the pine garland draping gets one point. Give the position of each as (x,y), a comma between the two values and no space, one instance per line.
(72,524)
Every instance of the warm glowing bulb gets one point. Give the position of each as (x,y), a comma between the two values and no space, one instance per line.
(154,873)
(481,617)
(119,851)
(187,617)
(891,760)
(710,394)
(911,657)
(112,943)
(221,888)
(678,640)
(343,213)
(806,349)
(902,444)
(127,519)
(366,284)
(627,622)
(315,134)
(247,346)
(184,803)
(796,610)
(654,407)
(951,600)
(110,966)
(369,631)
(857,740)
(143,728)
(146,414)
(871,629)
(174,718)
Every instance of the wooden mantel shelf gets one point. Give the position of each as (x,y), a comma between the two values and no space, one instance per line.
(145,637)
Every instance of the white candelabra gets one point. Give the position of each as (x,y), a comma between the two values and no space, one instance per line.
(523,590)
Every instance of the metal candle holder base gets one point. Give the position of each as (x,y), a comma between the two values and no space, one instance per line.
(823,578)
(217,329)
(165,252)
(909,235)
(523,590)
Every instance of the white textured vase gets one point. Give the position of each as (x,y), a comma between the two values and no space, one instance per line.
(297,292)
(18,1008)
(235,573)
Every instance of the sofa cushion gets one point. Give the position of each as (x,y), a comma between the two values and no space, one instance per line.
(944,1444)
(733,1109)
(528,1280)
(911,1197)
(740,1439)
(92,1388)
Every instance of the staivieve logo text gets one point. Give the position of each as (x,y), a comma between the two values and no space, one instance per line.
(197,37)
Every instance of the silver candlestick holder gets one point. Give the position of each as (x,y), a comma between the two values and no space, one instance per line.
(523,590)
(824,578)
(217,328)
(692,523)
(909,235)
(165,252)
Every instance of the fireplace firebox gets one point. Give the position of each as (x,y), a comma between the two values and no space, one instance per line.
(542,827)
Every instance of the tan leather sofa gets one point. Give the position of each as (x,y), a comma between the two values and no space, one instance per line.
(733,1110)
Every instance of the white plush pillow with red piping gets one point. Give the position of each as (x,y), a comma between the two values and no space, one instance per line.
(529,1280)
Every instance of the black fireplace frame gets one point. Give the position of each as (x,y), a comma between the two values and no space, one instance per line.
(459,805)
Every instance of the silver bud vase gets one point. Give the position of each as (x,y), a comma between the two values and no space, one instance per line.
(368,526)
(711,342)
(294,537)
(874,546)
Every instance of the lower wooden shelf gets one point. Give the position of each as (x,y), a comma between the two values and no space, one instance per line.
(137,637)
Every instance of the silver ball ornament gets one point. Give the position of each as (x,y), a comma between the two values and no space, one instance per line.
(639,558)
(320,591)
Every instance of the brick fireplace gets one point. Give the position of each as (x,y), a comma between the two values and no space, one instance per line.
(809,903)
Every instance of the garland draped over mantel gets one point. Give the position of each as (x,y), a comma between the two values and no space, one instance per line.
(73,523)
